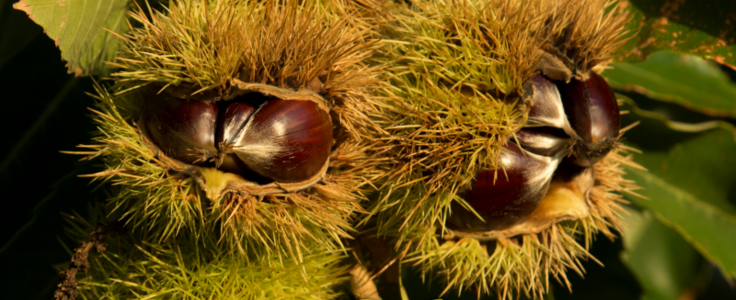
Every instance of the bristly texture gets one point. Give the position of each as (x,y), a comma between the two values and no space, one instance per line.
(457,74)
(585,34)
(522,264)
(132,268)
(196,49)
(454,99)
(200,46)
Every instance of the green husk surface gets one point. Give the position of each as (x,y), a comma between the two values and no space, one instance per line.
(132,267)
(448,108)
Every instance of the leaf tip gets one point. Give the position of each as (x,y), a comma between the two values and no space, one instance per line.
(23,6)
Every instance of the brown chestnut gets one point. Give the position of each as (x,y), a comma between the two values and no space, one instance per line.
(505,197)
(181,129)
(285,140)
(593,113)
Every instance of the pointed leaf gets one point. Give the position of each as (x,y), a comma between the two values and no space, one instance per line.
(78,29)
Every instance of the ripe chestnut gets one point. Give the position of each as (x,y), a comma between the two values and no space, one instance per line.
(261,139)
(505,197)
(285,140)
(593,113)
(181,129)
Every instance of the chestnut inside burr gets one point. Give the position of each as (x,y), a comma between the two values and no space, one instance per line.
(261,138)
(592,110)
(571,127)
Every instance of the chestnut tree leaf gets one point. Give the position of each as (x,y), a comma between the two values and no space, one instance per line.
(681,150)
(79,29)
(691,187)
(702,28)
(661,260)
(686,80)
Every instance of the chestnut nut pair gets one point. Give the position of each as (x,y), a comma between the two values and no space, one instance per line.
(570,126)
(260,138)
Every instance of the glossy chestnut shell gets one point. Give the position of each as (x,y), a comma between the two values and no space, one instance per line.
(262,139)
(286,140)
(506,196)
(593,113)
(184,130)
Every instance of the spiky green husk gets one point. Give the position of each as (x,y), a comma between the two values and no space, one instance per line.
(196,50)
(456,74)
(586,33)
(198,46)
(523,264)
(454,97)
(164,203)
(185,268)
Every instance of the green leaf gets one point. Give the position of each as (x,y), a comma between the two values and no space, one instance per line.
(696,158)
(686,80)
(702,28)
(662,261)
(78,27)
(690,187)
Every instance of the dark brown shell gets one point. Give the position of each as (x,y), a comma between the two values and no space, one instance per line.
(181,129)
(286,140)
(506,196)
(593,113)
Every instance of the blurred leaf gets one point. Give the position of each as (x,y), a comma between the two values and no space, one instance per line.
(698,158)
(702,28)
(17,37)
(689,189)
(78,29)
(686,80)
(663,262)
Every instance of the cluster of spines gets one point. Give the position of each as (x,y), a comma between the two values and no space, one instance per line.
(200,46)
(450,103)
(585,34)
(195,268)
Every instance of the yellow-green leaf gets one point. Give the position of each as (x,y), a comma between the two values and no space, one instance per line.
(79,29)
(690,186)
(662,261)
(686,80)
